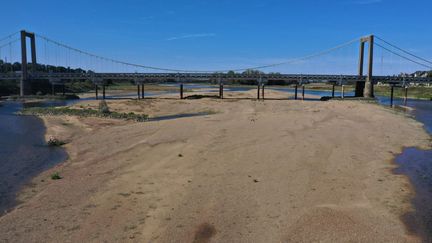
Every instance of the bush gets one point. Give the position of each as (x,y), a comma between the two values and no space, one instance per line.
(103,107)
(55,176)
(8,87)
(79,86)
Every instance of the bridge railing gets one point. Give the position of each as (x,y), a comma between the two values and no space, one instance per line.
(190,77)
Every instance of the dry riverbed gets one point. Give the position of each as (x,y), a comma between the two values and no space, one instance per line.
(251,171)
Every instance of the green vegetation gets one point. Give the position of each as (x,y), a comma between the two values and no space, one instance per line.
(196,96)
(6,67)
(8,87)
(121,86)
(42,87)
(56,176)
(103,107)
(49,97)
(58,111)
(79,86)
(413,92)
(328,87)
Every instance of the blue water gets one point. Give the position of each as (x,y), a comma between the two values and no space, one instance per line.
(23,151)
(417,165)
(320,93)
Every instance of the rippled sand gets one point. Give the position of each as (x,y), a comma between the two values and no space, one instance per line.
(252,171)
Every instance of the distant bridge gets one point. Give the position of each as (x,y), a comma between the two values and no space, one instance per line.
(363,83)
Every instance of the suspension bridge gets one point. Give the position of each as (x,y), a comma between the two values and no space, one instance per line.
(99,69)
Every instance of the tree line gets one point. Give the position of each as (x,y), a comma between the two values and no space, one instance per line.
(6,67)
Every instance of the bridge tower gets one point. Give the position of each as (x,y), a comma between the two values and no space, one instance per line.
(25,85)
(365,89)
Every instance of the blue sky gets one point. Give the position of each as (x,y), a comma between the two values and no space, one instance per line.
(220,34)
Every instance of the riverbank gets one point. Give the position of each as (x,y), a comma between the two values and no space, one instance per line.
(252,171)
(423,93)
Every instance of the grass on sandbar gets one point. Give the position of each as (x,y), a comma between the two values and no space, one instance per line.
(56,176)
(59,111)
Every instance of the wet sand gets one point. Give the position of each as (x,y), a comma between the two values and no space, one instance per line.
(252,171)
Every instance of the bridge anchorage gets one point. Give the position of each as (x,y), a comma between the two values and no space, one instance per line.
(364,84)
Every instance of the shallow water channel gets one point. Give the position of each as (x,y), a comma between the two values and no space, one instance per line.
(23,151)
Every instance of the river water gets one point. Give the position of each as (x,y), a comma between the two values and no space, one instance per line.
(24,153)
(417,165)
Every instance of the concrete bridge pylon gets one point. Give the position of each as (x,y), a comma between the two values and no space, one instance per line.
(25,84)
(365,88)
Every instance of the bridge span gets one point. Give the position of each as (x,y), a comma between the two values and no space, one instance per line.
(138,78)
(364,83)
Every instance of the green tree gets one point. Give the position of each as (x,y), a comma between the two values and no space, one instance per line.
(252,72)
(231,73)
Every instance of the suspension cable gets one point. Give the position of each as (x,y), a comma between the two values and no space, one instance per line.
(113,60)
(290,61)
(10,42)
(9,36)
(404,57)
(404,51)
(321,53)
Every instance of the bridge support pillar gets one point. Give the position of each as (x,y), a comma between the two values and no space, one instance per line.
(365,88)
(391,94)
(369,85)
(258,91)
(181,91)
(25,83)
(262,91)
(103,92)
(96,91)
(221,90)
(359,86)
(343,92)
(333,90)
(303,92)
(295,91)
(142,91)
(138,91)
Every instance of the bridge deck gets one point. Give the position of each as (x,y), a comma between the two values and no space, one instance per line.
(185,77)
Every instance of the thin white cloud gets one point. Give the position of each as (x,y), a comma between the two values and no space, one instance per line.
(191,36)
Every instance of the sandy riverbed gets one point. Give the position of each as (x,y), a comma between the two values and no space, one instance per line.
(273,171)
